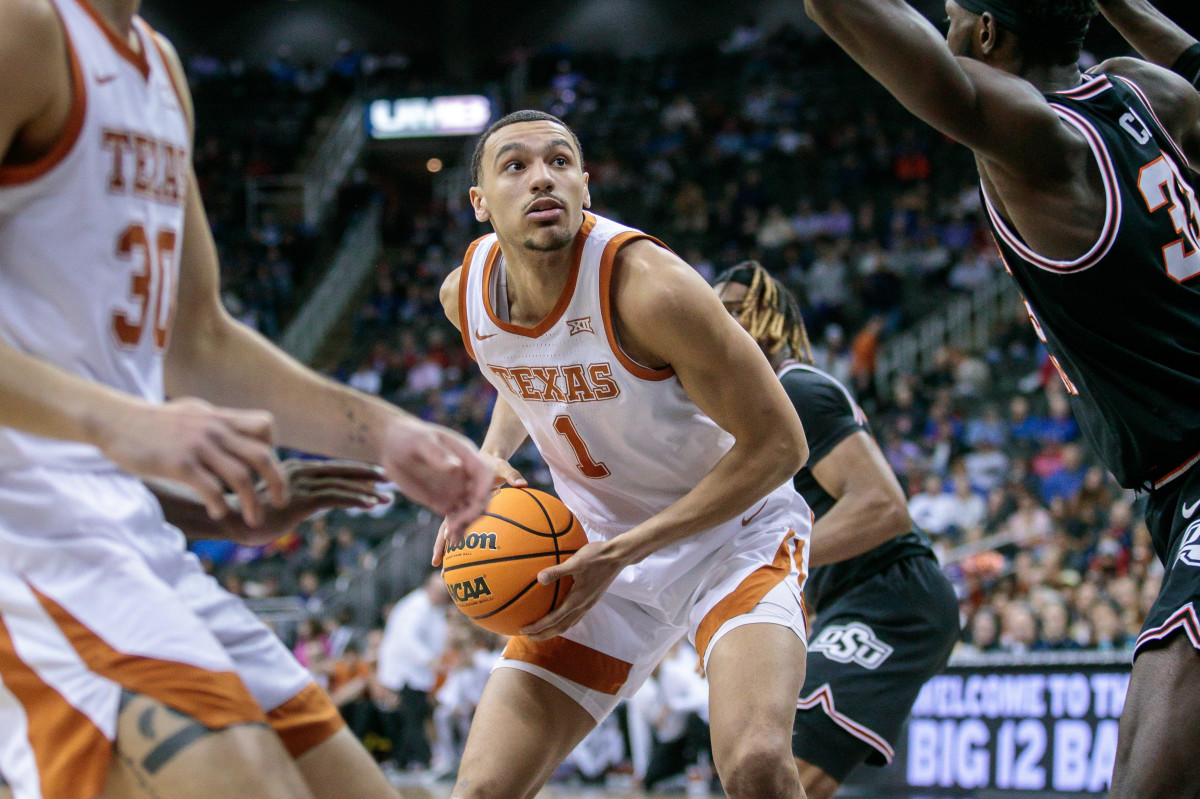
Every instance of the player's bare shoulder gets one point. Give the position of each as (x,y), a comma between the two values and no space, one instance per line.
(448,294)
(33,61)
(660,303)
(1172,98)
(178,74)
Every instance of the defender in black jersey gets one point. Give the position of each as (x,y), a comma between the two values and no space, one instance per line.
(886,616)
(1089,188)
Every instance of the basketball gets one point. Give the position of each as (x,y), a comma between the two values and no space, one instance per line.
(492,573)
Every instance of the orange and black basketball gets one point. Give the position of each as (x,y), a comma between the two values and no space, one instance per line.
(492,574)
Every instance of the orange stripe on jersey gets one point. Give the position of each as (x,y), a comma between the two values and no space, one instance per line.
(463,322)
(573,661)
(748,594)
(119,43)
(215,699)
(180,91)
(607,260)
(71,753)
(564,299)
(15,174)
(306,721)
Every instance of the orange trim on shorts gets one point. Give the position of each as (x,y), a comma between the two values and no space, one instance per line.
(306,721)
(564,299)
(71,753)
(16,174)
(216,699)
(607,260)
(748,594)
(572,661)
(464,324)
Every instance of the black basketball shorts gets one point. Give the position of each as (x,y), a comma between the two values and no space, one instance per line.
(1173,517)
(869,653)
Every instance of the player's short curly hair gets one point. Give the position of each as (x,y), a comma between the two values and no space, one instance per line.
(527,115)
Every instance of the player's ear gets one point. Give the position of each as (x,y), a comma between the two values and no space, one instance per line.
(587,192)
(479,204)
(986,34)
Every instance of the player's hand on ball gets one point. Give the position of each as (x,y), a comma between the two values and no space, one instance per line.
(439,469)
(207,448)
(503,472)
(313,486)
(593,569)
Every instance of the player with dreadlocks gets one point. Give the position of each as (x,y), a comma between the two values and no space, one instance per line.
(868,658)
(1088,190)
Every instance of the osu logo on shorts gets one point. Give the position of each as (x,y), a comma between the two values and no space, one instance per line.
(1189,550)
(852,643)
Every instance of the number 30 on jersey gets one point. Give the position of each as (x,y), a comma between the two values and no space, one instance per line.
(1162,184)
(151,287)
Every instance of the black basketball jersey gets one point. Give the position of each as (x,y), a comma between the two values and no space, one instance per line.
(1122,322)
(829,416)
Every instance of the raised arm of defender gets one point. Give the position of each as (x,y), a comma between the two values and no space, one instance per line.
(665,314)
(1151,33)
(995,114)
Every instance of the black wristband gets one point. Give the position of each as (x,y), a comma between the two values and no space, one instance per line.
(1188,64)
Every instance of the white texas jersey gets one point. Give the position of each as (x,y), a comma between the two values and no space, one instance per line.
(90,234)
(622,441)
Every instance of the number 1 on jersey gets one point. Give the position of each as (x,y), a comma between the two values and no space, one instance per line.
(583,459)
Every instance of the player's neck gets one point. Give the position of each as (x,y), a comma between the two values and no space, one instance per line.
(1051,79)
(535,280)
(118,14)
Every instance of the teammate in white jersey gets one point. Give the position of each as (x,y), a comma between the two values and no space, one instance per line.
(109,631)
(668,435)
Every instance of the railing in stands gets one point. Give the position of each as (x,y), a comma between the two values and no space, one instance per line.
(967,322)
(396,567)
(355,257)
(309,196)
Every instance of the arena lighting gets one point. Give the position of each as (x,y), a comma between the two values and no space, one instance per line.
(419,117)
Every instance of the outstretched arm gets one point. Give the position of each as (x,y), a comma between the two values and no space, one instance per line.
(213,356)
(1155,36)
(997,115)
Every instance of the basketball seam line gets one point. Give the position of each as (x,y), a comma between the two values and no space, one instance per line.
(523,527)
(505,606)
(505,559)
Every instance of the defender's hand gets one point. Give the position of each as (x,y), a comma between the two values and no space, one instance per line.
(503,474)
(437,468)
(207,448)
(313,486)
(593,568)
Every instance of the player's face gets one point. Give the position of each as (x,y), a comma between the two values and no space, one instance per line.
(532,187)
(732,295)
(962,29)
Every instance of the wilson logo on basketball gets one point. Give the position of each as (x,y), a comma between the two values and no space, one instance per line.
(474,541)
(470,590)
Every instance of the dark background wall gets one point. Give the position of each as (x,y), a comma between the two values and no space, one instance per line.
(465,30)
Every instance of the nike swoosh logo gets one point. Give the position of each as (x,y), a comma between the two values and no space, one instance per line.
(485,338)
(747,519)
(1190,510)
(102,79)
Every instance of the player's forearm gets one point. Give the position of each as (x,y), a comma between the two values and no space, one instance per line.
(40,398)
(230,365)
(1149,31)
(746,474)
(506,432)
(858,522)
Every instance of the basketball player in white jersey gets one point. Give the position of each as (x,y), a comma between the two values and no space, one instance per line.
(123,669)
(669,437)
